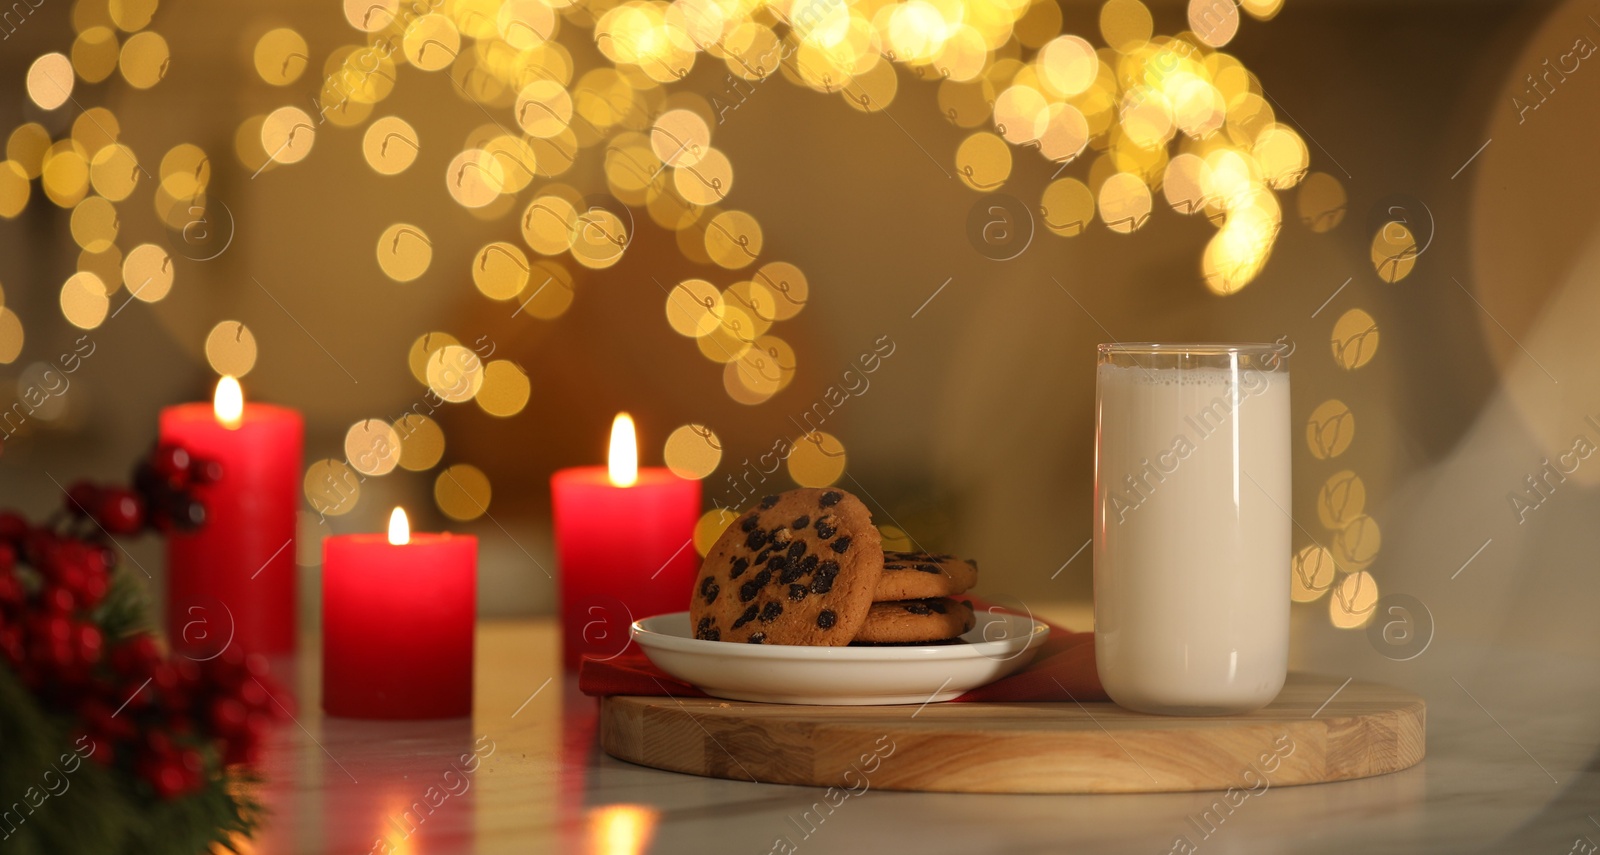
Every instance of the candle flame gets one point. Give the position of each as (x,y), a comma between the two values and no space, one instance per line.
(229,402)
(399,528)
(624,459)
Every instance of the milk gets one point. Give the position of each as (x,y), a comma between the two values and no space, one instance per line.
(1192,537)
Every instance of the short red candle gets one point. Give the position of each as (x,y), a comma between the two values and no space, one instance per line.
(625,553)
(397,625)
(234,577)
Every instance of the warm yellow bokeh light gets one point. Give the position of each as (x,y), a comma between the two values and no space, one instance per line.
(148,272)
(83,300)
(983,162)
(1354,340)
(1124,203)
(1330,429)
(1394,252)
(11,336)
(144,59)
(1354,601)
(506,389)
(692,451)
(404,252)
(421,442)
(50,81)
(455,374)
(462,492)
(1311,574)
(500,271)
(281,56)
(332,488)
(1340,499)
(372,447)
(710,526)
(231,349)
(390,145)
(818,460)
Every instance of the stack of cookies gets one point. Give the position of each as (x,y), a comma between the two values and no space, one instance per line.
(807,567)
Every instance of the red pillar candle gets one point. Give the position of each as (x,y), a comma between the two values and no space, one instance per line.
(233,579)
(624,540)
(397,619)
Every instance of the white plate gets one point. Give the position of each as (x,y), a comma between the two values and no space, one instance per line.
(998,645)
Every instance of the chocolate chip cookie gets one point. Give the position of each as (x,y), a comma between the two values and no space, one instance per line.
(927,620)
(800,568)
(920,575)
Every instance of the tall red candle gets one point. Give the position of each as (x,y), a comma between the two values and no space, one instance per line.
(397,619)
(625,552)
(233,579)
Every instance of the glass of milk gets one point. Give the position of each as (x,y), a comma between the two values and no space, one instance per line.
(1192,526)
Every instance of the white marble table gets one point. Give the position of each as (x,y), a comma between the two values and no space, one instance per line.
(1506,771)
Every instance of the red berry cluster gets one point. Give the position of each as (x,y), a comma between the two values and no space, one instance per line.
(149,712)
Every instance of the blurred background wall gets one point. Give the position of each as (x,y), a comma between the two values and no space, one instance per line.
(977,434)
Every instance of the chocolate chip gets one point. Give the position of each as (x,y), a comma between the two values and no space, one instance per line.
(740,565)
(711,635)
(797,593)
(709,589)
(841,544)
(778,564)
(823,583)
(914,608)
(768,501)
(808,564)
(749,523)
(748,591)
(706,631)
(792,572)
(826,528)
(757,638)
(756,539)
(937,606)
(705,624)
(830,498)
(770,611)
(825,619)
(929,568)
(800,522)
(748,616)
(797,549)
(762,558)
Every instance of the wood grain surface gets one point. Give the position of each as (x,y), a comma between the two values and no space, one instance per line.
(1319,729)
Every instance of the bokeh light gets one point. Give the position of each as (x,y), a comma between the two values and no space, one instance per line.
(231,349)
(692,451)
(462,492)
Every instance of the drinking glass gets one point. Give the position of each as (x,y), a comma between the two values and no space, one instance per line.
(1192,526)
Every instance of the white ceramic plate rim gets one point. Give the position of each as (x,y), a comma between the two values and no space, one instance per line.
(655,632)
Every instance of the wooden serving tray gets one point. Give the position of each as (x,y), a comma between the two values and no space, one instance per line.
(1319,729)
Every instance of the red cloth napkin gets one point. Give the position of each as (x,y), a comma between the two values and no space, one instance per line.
(1063,669)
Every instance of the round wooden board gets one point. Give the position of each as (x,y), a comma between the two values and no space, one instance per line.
(1317,730)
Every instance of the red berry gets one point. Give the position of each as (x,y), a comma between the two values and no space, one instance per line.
(172,463)
(8,558)
(82,498)
(88,643)
(228,716)
(165,776)
(58,600)
(136,656)
(120,511)
(13,528)
(205,471)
